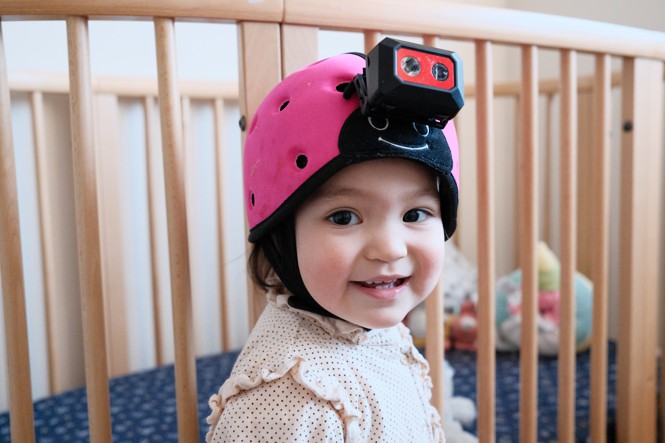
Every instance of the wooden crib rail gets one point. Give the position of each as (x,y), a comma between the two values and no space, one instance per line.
(419,17)
(468,22)
(230,10)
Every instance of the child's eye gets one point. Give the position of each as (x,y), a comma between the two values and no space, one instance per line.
(344,218)
(415,215)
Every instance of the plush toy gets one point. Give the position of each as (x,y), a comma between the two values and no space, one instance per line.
(457,411)
(464,328)
(509,304)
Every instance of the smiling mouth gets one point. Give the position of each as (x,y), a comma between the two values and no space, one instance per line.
(383,284)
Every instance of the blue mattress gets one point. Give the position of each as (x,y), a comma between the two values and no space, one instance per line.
(143,404)
(507,395)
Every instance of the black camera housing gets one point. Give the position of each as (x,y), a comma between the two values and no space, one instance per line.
(386,89)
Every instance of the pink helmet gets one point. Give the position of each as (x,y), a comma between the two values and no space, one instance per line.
(305,131)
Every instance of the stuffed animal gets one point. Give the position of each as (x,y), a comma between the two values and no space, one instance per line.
(464,328)
(457,411)
(509,304)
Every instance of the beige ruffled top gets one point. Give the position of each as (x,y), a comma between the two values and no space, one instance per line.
(303,377)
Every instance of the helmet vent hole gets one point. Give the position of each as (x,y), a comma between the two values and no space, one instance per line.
(301,161)
(252,199)
(342,87)
(284,105)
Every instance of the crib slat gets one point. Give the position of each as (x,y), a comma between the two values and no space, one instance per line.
(87,227)
(600,246)
(150,149)
(260,70)
(306,37)
(174,182)
(110,165)
(528,185)
(486,386)
(11,270)
(641,187)
(372,38)
(568,174)
(39,139)
(220,161)
(548,155)
(434,343)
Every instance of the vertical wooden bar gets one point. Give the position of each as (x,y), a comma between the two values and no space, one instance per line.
(566,368)
(372,38)
(528,188)
(150,147)
(434,344)
(486,382)
(260,66)
(220,161)
(600,244)
(11,268)
(39,139)
(434,318)
(176,210)
(641,228)
(87,228)
(547,228)
(186,118)
(306,38)
(110,165)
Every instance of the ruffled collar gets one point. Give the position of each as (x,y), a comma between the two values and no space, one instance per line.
(342,329)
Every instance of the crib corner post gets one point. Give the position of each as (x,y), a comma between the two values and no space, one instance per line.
(641,198)
(260,66)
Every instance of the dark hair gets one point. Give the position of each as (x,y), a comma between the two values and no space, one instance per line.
(275,255)
(259,268)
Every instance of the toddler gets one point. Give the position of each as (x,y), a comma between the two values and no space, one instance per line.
(348,216)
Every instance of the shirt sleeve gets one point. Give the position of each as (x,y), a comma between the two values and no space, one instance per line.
(278,411)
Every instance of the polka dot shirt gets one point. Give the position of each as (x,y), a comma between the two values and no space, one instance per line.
(303,377)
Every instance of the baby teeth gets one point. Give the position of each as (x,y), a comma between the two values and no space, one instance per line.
(380,284)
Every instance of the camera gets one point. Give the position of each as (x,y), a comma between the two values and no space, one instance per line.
(411,81)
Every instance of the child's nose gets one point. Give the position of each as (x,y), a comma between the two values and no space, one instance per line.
(386,243)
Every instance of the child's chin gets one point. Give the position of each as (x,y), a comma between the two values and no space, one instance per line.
(383,322)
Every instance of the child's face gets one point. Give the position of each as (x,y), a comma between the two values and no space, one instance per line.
(370,241)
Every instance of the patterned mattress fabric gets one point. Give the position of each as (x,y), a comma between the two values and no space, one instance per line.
(507,393)
(143,407)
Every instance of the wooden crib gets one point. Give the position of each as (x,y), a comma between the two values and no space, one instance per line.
(553,178)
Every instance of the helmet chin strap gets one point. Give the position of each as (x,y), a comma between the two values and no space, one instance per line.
(280,250)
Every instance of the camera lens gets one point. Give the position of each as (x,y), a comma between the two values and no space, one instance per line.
(440,72)
(411,66)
